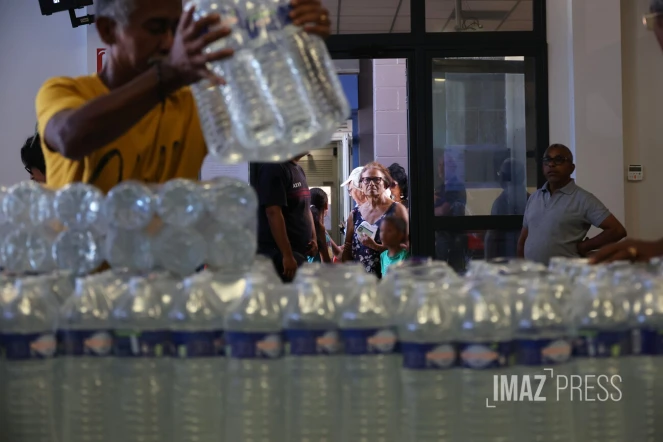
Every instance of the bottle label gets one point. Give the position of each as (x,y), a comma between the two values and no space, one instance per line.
(428,356)
(312,342)
(372,341)
(544,351)
(261,22)
(602,344)
(93,343)
(647,342)
(483,355)
(137,344)
(198,344)
(29,346)
(242,345)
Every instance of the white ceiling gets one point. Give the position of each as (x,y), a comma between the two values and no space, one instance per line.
(385,16)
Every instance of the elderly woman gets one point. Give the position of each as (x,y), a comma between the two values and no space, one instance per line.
(362,241)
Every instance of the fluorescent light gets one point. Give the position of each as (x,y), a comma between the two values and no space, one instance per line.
(440,80)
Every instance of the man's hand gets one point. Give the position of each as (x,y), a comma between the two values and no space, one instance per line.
(312,15)
(582,248)
(187,61)
(313,248)
(369,242)
(628,250)
(289,266)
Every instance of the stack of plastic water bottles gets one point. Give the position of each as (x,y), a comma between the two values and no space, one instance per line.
(282,96)
(424,356)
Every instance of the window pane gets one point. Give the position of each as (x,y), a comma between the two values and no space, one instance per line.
(479,15)
(369,16)
(484,137)
(459,248)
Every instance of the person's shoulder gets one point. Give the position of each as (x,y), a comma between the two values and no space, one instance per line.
(83,83)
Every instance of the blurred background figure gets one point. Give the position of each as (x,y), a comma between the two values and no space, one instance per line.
(399,188)
(33,159)
(328,251)
(353,185)
(393,234)
(450,200)
(511,201)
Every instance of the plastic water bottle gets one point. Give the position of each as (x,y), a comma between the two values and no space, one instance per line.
(485,345)
(180,203)
(256,123)
(228,285)
(317,67)
(199,364)
(602,351)
(645,387)
(28,249)
(28,203)
(288,88)
(371,397)
(131,249)
(85,352)
(27,333)
(544,344)
(77,250)
(180,250)
(231,202)
(142,372)
(255,397)
(215,121)
(130,205)
(168,287)
(429,375)
(313,364)
(78,205)
(63,285)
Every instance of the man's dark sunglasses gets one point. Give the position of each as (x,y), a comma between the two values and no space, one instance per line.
(557,161)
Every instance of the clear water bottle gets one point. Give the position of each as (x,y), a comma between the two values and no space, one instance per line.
(28,249)
(130,249)
(288,88)
(28,335)
(78,205)
(544,343)
(28,203)
(484,327)
(78,250)
(63,284)
(337,281)
(142,370)
(256,123)
(168,286)
(229,247)
(645,386)
(130,205)
(180,203)
(312,365)
(215,122)
(255,396)
(228,285)
(601,351)
(199,364)
(371,397)
(85,357)
(429,375)
(231,202)
(317,67)
(180,250)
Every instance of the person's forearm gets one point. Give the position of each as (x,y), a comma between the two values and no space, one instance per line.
(379,247)
(603,239)
(521,248)
(279,232)
(347,252)
(79,132)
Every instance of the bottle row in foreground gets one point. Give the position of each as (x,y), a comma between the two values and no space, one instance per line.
(511,352)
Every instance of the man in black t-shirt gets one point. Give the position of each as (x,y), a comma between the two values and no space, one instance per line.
(285,223)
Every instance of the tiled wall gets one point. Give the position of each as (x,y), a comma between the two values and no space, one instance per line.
(390,111)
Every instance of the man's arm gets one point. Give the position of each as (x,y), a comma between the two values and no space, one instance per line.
(613,231)
(629,250)
(313,244)
(78,132)
(521,242)
(280,234)
(349,234)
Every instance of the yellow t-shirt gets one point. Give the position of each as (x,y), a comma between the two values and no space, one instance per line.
(166,143)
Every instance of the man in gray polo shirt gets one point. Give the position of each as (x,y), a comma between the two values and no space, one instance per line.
(559,215)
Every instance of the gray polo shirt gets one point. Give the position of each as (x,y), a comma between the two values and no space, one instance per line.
(557,223)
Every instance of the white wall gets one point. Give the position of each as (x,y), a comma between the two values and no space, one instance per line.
(643,112)
(585,68)
(33,48)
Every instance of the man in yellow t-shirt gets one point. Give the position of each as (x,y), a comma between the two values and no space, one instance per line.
(137,119)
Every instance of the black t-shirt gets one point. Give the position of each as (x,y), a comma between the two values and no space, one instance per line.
(284,185)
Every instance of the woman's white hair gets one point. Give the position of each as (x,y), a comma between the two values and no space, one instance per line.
(118,10)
